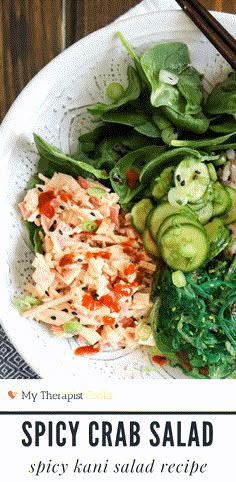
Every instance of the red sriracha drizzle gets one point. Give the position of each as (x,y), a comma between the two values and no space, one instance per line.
(44,204)
(90,303)
(108,320)
(160,360)
(66,259)
(123,289)
(131,269)
(100,254)
(86,350)
(65,196)
(132,178)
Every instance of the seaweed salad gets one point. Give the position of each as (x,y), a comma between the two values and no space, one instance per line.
(195,325)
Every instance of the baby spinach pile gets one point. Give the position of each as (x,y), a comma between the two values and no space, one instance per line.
(161,110)
(158,119)
(195,326)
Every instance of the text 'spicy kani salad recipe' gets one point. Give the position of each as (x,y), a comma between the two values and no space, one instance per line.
(135,234)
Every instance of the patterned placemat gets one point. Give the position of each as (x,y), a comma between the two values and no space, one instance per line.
(12,364)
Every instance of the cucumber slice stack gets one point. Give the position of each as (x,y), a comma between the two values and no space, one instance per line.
(184,247)
(189,225)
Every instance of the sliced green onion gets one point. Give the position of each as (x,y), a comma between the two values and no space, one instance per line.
(89,226)
(221,160)
(115,91)
(72,327)
(178,279)
(96,192)
(24,304)
(144,332)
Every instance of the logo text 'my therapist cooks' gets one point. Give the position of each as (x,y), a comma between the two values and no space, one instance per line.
(68,396)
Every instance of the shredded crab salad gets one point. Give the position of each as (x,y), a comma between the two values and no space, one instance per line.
(93,277)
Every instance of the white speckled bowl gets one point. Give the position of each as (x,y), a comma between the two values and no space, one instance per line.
(53,104)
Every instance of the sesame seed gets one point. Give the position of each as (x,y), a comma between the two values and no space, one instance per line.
(74,313)
(47,293)
(40,189)
(53,317)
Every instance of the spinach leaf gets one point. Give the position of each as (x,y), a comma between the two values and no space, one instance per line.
(168,130)
(139,120)
(189,85)
(33,181)
(149,129)
(222,99)
(169,56)
(153,168)
(221,147)
(132,161)
(89,140)
(172,57)
(204,142)
(34,237)
(136,59)
(196,123)
(132,92)
(108,143)
(181,103)
(225,124)
(53,160)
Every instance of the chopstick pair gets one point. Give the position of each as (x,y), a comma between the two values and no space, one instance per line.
(212,29)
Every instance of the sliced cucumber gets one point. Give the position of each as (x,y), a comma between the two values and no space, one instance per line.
(176,220)
(198,206)
(222,200)
(212,171)
(149,243)
(163,183)
(184,248)
(157,215)
(177,196)
(139,214)
(230,216)
(218,235)
(193,177)
(205,213)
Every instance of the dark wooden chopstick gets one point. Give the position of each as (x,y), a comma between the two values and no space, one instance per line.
(222,40)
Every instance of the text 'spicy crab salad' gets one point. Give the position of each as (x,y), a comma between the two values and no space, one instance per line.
(135,234)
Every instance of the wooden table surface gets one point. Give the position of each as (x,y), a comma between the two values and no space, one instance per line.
(32,32)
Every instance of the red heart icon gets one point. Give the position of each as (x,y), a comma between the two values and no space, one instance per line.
(12,394)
